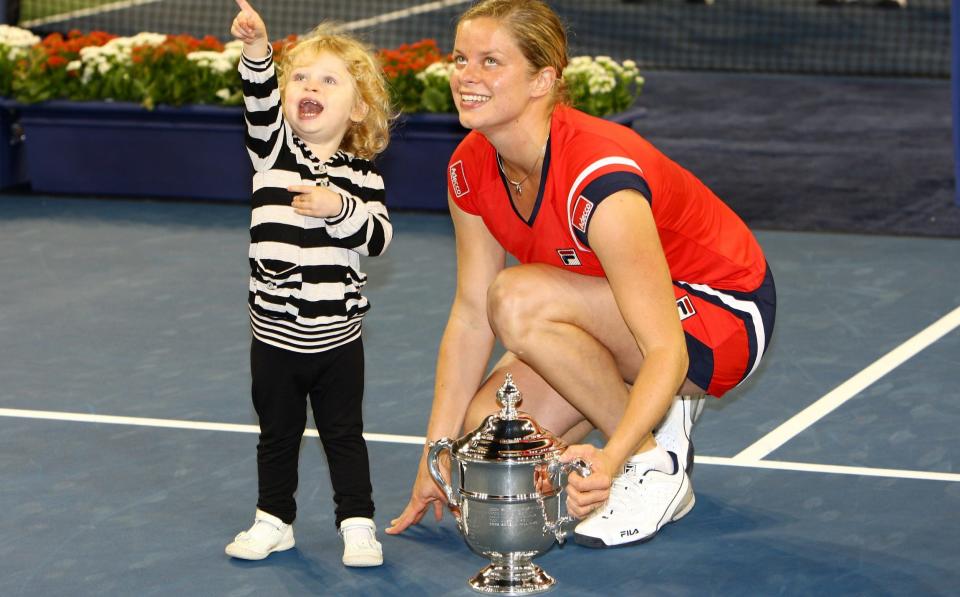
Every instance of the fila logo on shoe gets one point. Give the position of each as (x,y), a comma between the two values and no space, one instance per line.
(629,533)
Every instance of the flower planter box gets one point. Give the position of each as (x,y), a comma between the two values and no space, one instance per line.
(121,149)
(197,152)
(13,170)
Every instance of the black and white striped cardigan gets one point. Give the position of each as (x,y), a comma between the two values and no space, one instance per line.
(305,277)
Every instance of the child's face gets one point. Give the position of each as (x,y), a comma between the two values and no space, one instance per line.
(320,100)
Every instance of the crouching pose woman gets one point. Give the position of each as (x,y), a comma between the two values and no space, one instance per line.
(636,284)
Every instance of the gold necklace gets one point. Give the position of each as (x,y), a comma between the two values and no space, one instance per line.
(517,184)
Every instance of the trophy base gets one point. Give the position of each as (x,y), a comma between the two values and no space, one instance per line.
(504,579)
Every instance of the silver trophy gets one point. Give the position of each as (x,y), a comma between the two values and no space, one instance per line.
(507,503)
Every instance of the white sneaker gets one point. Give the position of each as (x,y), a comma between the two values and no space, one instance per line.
(267,535)
(675,432)
(360,545)
(641,502)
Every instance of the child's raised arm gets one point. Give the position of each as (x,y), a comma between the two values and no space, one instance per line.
(249,28)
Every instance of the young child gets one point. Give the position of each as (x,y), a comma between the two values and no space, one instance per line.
(314,121)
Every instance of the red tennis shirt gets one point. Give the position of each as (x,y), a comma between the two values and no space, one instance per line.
(587,160)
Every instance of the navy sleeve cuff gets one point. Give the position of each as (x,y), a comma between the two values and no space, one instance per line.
(607,185)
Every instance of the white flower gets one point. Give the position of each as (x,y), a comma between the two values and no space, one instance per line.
(15,37)
(579,61)
(74,65)
(437,73)
(224,93)
(602,83)
(215,61)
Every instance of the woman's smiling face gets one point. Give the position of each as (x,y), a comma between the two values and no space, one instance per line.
(491,81)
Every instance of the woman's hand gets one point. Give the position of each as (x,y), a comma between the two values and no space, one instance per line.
(425,492)
(317,202)
(586,494)
(248,27)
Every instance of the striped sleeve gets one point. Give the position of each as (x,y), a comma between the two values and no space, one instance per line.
(363,225)
(261,109)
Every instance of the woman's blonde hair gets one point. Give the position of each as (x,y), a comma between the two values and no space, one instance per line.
(538,31)
(370,136)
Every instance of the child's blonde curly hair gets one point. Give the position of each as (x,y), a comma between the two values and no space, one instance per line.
(370,136)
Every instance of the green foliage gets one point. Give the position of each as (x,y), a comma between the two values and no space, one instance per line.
(601,86)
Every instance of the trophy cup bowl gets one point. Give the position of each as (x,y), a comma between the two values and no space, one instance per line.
(507,502)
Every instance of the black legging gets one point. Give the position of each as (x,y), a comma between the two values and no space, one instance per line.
(333,379)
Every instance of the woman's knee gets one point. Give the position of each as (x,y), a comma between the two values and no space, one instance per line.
(516,302)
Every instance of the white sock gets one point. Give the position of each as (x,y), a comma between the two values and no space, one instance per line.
(656,458)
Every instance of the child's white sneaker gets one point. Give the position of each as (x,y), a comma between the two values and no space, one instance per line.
(360,545)
(267,535)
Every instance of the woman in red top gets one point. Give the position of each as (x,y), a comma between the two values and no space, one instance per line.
(636,284)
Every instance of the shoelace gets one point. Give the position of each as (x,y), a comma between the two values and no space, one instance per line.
(620,491)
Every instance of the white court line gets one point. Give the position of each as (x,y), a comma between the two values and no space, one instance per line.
(850,388)
(415,440)
(178,424)
(85,12)
(809,467)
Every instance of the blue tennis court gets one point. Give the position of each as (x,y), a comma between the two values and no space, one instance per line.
(127,437)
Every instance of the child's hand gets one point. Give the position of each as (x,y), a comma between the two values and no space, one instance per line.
(317,202)
(249,28)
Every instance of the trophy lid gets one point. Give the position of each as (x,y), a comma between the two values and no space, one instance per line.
(510,435)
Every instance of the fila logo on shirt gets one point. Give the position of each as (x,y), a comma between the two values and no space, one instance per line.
(569,257)
(685,307)
(458,180)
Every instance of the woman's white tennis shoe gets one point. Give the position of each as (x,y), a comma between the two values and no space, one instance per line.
(641,502)
(675,432)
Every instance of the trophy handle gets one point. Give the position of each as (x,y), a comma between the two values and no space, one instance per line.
(433,463)
(562,470)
